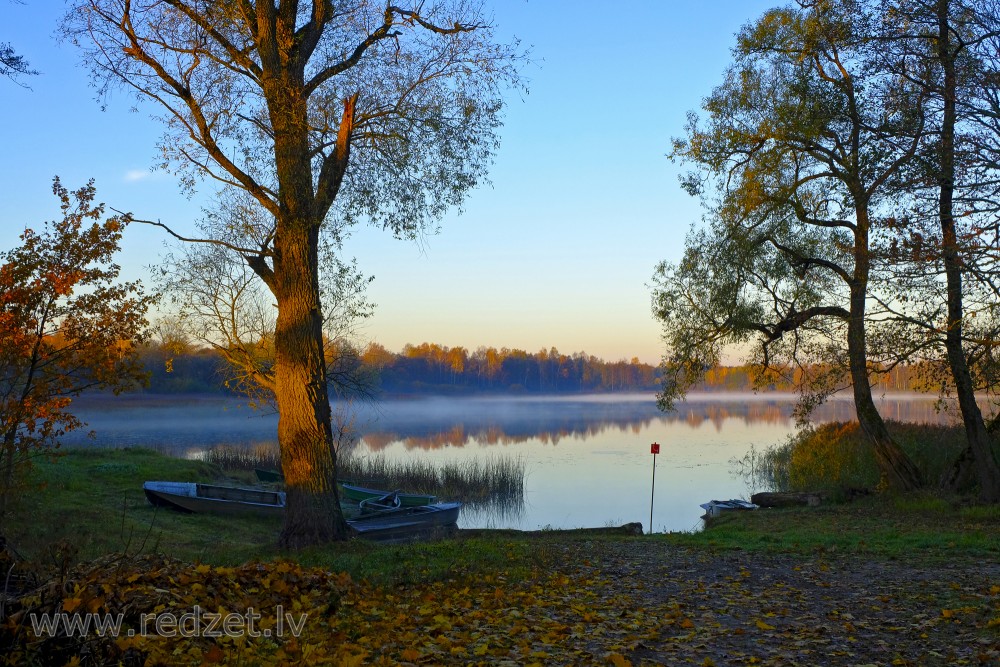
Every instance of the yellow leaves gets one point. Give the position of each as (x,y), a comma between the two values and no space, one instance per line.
(576,616)
(71,604)
(352,660)
(411,655)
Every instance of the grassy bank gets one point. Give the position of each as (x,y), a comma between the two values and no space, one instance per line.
(754,586)
(90,503)
(917,528)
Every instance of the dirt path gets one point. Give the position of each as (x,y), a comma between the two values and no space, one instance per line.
(747,608)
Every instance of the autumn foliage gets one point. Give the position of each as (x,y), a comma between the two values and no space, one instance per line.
(67,326)
(605,602)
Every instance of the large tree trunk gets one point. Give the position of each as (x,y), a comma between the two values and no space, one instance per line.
(987,470)
(898,471)
(305,434)
(313,513)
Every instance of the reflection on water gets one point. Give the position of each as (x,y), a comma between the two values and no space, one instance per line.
(495,512)
(436,423)
(459,422)
(587,457)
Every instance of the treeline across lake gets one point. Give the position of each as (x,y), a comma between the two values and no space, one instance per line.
(441,369)
(429,368)
(426,368)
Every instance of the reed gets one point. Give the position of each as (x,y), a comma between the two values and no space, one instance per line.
(236,457)
(474,480)
(482,480)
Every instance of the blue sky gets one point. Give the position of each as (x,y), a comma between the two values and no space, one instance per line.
(556,252)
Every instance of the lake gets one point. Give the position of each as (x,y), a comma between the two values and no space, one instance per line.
(587,457)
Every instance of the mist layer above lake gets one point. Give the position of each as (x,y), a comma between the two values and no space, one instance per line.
(587,456)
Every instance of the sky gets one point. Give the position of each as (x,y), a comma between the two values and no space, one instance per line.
(557,251)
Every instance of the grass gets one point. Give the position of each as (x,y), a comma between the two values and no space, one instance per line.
(90,503)
(919,526)
(92,499)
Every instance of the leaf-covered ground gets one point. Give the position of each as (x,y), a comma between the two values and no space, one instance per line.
(611,602)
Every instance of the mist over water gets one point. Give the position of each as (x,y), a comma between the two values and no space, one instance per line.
(587,456)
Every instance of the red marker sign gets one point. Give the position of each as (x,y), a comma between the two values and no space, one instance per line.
(654,448)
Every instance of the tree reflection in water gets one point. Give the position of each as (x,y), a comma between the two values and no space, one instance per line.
(550,422)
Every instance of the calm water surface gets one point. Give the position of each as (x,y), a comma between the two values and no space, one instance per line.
(588,458)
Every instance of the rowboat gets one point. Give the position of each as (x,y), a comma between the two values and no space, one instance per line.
(359,493)
(716,507)
(407,523)
(210,498)
(384,522)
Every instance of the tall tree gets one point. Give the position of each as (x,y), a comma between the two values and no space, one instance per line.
(946,198)
(67,326)
(801,142)
(279,98)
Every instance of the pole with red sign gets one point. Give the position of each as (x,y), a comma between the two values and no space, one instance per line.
(654,449)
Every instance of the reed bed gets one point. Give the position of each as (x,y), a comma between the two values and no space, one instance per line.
(235,457)
(488,480)
(474,480)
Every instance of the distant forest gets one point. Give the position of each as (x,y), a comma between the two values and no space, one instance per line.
(429,368)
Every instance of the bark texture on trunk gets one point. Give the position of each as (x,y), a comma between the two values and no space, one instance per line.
(979,441)
(305,435)
(308,460)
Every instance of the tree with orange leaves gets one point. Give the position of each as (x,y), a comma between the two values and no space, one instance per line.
(67,326)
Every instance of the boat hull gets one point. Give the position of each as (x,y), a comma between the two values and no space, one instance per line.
(211,499)
(714,508)
(408,523)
